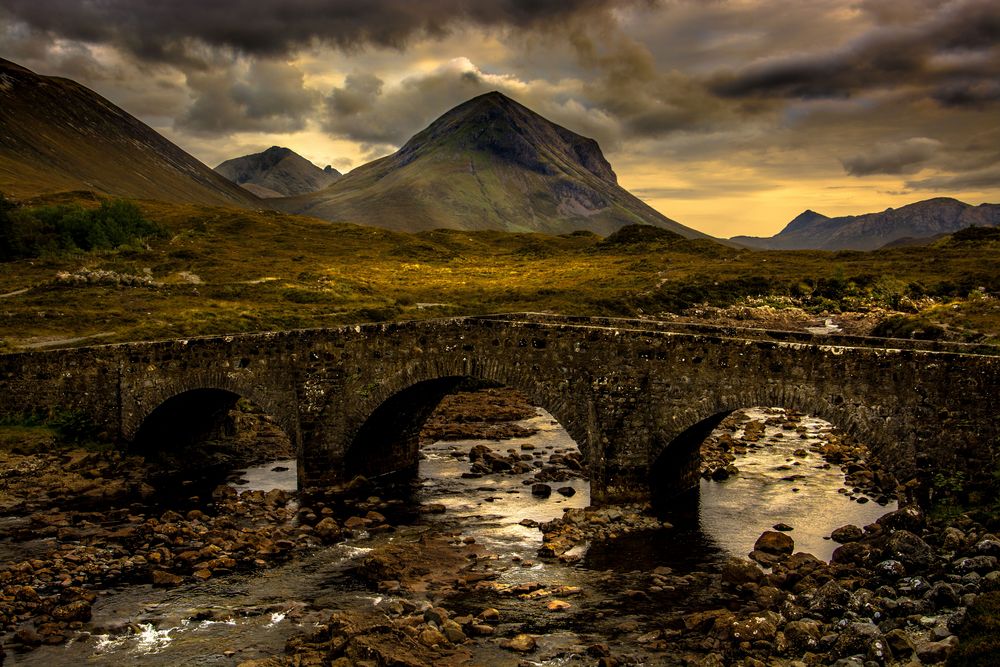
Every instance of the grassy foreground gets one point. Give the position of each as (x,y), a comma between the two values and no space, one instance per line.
(225,270)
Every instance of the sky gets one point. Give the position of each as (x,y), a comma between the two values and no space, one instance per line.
(729,116)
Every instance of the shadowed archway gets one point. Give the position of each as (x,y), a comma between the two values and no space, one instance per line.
(389,440)
(199,432)
(184,420)
(678,467)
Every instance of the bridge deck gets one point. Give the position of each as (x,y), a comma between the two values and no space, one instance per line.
(553,321)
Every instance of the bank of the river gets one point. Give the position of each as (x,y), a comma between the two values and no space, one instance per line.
(454,569)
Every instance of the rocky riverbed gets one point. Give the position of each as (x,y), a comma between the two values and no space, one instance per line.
(485,564)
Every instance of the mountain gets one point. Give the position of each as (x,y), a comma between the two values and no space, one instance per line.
(56,135)
(489,163)
(933,217)
(277,172)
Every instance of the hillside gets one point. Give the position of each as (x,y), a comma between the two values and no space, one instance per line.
(489,163)
(56,135)
(277,172)
(224,269)
(921,220)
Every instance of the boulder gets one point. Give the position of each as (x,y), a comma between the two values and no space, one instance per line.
(830,599)
(739,571)
(909,549)
(845,534)
(74,611)
(328,531)
(164,578)
(943,594)
(899,643)
(541,490)
(761,627)
(431,637)
(905,518)
(936,652)
(773,542)
(521,643)
(862,638)
(854,553)
(802,635)
(890,569)
(980,564)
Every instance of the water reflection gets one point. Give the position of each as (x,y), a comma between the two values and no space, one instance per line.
(781,479)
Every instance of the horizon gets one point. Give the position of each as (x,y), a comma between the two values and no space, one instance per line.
(731,119)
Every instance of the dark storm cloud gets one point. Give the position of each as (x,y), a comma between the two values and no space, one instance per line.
(166,30)
(981,179)
(268,97)
(905,157)
(362,111)
(952,53)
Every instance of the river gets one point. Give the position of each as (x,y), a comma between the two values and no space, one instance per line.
(241,617)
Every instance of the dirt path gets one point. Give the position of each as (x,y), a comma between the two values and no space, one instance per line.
(47,341)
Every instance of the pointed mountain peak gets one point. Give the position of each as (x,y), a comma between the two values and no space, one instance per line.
(276,172)
(279,150)
(510,132)
(806,218)
(488,163)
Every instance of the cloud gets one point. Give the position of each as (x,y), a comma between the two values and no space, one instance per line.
(952,48)
(382,117)
(904,157)
(264,95)
(364,110)
(980,179)
(968,93)
(167,31)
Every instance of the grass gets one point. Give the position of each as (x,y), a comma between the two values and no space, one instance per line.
(226,270)
(980,634)
(22,439)
(35,433)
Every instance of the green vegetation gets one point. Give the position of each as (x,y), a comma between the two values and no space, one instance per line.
(225,270)
(980,634)
(26,434)
(46,230)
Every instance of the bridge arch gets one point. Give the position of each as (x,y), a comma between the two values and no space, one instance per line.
(674,461)
(373,428)
(194,399)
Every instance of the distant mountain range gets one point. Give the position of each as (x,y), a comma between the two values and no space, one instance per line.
(870,231)
(277,172)
(56,135)
(489,163)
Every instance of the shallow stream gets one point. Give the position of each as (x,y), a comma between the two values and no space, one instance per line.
(239,617)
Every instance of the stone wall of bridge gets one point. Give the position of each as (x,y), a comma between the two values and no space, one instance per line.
(635,396)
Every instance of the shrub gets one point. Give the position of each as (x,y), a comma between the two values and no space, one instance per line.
(901,326)
(980,633)
(75,427)
(32,232)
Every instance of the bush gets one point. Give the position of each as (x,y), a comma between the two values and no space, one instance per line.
(901,326)
(304,296)
(980,633)
(75,427)
(376,314)
(32,232)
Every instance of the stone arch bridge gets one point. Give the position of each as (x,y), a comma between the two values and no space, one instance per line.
(637,396)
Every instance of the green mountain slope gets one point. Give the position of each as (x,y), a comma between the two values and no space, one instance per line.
(489,163)
(56,135)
